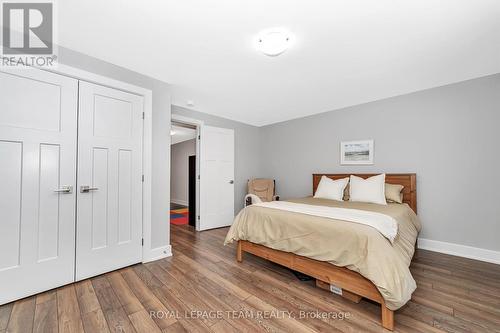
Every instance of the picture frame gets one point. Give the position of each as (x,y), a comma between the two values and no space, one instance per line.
(357,152)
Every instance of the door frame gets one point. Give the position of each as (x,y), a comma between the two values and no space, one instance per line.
(148,252)
(198,124)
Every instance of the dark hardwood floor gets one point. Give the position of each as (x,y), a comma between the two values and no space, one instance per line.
(453,295)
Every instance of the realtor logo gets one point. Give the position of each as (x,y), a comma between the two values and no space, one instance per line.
(28,33)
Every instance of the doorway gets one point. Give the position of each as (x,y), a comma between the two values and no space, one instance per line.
(183,174)
(205,178)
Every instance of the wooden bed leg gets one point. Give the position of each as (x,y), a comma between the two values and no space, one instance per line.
(239,252)
(387,317)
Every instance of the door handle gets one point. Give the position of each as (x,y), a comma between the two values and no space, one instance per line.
(64,189)
(87,189)
(231,181)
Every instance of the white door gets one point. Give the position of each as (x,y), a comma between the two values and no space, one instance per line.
(109,204)
(38,113)
(217,177)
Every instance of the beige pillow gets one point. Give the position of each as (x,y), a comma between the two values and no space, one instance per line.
(392,193)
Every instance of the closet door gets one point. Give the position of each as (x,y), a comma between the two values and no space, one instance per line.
(109,204)
(38,113)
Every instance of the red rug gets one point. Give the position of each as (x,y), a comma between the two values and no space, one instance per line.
(179,216)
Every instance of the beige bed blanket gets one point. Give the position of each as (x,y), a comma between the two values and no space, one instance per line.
(357,247)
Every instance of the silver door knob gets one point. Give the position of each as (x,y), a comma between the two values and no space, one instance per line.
(87,189)
(231,181)
(64,189)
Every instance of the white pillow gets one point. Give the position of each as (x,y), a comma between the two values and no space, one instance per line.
(368,190)
(331,189)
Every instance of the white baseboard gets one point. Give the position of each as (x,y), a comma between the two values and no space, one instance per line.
(460,250)
(158,253)
(179,202)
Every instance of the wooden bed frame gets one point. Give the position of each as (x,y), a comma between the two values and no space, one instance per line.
(354,285)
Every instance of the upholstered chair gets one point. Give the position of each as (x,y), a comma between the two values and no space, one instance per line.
(261,190)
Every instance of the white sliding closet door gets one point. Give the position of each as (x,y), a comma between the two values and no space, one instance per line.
(109,205)
(38,113)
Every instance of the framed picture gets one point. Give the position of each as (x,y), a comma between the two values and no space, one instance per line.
(356,152)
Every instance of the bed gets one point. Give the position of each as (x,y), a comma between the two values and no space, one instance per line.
(351,256)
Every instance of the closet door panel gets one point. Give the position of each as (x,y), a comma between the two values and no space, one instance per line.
(100,199)
(48,214)
(38,122)
(109,213)
(11,155)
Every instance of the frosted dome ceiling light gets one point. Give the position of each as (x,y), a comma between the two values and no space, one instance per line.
(273,42)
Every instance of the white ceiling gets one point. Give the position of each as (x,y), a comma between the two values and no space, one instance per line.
(180,134)
(344,53)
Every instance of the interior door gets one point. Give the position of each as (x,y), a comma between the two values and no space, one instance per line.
(38,114)
(109,204)
(217,177)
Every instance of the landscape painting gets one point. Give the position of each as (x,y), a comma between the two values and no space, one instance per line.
(356,152)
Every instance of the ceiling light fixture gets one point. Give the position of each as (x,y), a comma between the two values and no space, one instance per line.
(273,42)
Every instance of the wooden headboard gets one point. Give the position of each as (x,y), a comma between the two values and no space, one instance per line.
(408,180)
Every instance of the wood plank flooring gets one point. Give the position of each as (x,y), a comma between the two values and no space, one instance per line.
(177,294)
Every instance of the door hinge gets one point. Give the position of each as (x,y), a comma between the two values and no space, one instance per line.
(198,176)
(199,137)
(198,217)
(143,115)
(142,241)
(142,178)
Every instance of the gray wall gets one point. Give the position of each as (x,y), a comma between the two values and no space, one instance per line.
(448,135)
(247,149)
(179,170)
(161,134)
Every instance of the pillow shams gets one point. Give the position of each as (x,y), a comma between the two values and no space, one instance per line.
(331,189)
(370,190)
